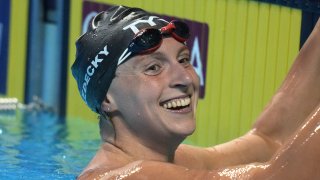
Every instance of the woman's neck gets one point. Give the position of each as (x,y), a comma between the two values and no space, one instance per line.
(145,149)
(155,147)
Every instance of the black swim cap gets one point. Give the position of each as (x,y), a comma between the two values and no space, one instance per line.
(103,46)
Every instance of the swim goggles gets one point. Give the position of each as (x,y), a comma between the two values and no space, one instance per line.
(149,39)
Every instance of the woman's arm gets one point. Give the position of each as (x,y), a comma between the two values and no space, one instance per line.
(293,102)
(297,97)
(299,158)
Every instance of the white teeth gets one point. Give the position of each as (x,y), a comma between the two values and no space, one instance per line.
(182,102)
(177,103)
(174,104)
(187,101)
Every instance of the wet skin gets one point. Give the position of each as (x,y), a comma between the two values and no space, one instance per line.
(138,111)
(157,79)
(283,142)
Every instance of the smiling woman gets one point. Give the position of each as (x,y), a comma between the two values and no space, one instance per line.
(164,77)
(146,91)
(157,112)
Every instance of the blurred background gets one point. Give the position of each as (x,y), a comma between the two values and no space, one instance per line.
(241,49)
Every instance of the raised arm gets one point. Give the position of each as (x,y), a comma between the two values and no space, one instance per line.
(297,97)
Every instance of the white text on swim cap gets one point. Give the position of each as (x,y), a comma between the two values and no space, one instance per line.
(90,71)
(135,30)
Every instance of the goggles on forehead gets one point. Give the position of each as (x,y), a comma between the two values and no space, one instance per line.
(150,39)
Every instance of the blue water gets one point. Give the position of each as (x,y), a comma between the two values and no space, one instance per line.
(39,145)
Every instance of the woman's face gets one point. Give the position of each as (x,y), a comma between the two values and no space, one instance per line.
(156,94)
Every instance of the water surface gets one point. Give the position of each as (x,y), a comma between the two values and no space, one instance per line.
(39,145)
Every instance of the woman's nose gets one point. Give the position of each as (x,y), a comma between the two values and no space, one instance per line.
(180,77)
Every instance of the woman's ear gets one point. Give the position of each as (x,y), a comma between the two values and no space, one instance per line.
(106,105)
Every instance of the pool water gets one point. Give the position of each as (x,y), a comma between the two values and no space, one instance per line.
(40,145)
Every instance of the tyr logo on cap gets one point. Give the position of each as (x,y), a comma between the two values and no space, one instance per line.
(150,21)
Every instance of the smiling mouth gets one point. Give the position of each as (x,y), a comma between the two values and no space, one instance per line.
(177,104)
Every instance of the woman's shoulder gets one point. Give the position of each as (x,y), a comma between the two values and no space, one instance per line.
(105,160)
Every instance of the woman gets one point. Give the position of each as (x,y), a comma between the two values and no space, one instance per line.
(134,69)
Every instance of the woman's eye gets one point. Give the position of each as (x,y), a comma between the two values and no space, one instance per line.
(185,61)
(153,69)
